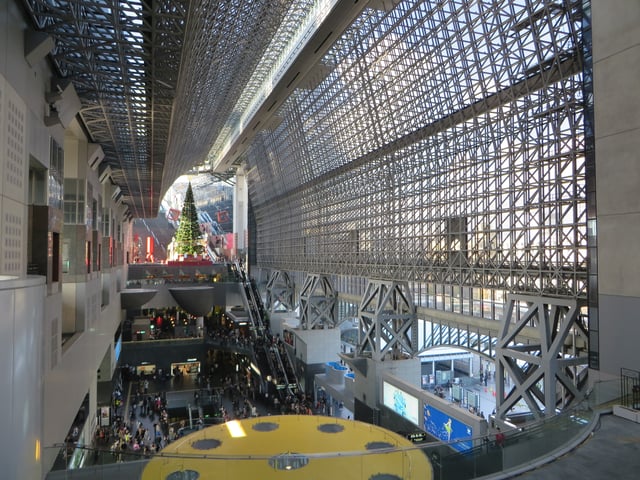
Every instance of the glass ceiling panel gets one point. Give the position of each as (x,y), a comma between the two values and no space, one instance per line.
(159,80)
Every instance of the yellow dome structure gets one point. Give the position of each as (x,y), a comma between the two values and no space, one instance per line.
(295,447)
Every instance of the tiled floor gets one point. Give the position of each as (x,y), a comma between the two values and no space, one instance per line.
(179,394)
(612,451)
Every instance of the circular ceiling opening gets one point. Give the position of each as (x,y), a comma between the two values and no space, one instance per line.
(206,444)
(378,445)
(331,428)
(183,475)
(265,427)
(288,461)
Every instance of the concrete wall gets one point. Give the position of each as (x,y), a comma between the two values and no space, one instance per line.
(43,384)
(240,208)
(21,395)
(616,64)
(316,346)
(281,320)
(76,374)
(368,383)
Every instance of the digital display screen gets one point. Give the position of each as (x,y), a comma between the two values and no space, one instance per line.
(117,348)
(401,402)
(447,428)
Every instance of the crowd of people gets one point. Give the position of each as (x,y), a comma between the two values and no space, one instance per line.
(218,384)
(127,435)
(233,395)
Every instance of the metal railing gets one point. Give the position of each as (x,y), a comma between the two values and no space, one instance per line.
(522,448)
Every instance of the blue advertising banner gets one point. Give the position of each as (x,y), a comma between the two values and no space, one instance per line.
(447,428)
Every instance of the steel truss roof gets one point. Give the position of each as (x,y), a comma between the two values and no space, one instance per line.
(158,79)
(443,143)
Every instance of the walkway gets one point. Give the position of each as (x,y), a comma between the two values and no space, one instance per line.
(486,394)
(612,451)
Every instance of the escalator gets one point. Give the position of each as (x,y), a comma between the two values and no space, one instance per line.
(272,358)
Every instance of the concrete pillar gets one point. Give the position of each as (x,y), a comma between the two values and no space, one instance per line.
(616,69)
(240,214)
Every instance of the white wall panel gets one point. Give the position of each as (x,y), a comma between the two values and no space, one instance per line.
(7,451)
(22,303)
(3,141)
(14,150)
(13,182)
(66,385)
(13,237)
(616,67)
(53,329)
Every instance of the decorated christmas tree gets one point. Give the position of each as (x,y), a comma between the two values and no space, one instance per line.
(188,237)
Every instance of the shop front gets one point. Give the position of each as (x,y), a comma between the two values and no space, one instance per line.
(191,366)
(146,369)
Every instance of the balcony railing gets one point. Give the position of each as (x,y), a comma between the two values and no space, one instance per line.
(522,447)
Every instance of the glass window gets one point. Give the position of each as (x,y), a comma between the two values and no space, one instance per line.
(477,302)
(74,201)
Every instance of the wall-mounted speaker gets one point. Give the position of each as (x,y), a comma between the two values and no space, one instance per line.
(95,155)
(104,174)
(127,215)
(37,45)
(63,100)
(117,194)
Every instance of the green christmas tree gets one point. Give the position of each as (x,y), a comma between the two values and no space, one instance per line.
(188,236)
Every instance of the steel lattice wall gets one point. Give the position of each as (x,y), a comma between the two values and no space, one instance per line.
(443,145)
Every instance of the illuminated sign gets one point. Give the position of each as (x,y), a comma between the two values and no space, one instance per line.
(447,428)
(117,348)
(400,402)
(417,437)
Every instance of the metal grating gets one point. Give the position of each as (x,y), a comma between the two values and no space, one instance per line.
(123,59)
(444,146)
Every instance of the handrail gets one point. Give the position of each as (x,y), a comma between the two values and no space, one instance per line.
(283,365)
(485,460)
(276,354)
